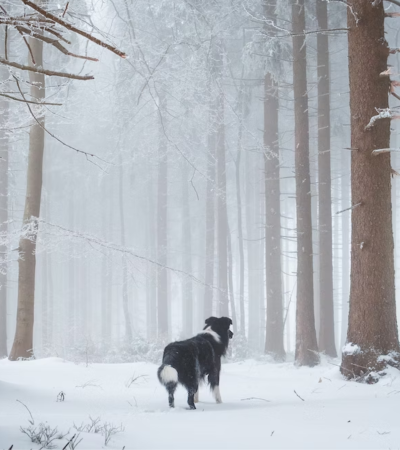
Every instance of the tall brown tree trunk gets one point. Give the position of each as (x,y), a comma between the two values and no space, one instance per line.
(23,341)
(372,327)
(306,340)
(3,217)
(274,332)
(326,329)
(162,236)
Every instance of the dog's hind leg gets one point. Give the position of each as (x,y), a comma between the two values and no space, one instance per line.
(196,396)
(171,387)
(192,390)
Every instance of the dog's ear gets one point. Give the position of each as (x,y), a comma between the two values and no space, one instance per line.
(227,321)
(210,321)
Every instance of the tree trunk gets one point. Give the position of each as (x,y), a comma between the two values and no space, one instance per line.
(326,341)
(345,256)
(222,231)
(242,326)
(306,340)
(274,332)
(162,236)
(3,217)
(230,280)
(151,287)
(372,327)
(187,285)
(23,341)
(210,216)
(125,305)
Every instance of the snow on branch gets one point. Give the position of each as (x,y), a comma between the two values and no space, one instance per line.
(384,113)
(378,151)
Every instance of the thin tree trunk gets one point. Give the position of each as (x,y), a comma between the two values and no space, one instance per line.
(345,170)
(151,287)
(23,341)
(125,306)
(187,285)
(4,107)
(71,330)
(162,231)
(274,332)
(326,329)
(372,327)
(222,230)
(306,340)
(242,326)
(210,216)
(230,280)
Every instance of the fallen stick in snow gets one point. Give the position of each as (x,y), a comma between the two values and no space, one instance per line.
(255,398)
(298,396)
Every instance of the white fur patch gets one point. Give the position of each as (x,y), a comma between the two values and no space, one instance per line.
(169,374)
(196,397)
(213,334)
(217,394)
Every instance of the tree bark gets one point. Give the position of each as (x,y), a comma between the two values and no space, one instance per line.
(3,222)
(326,341)
(23,340)
(306,340)
(372,327)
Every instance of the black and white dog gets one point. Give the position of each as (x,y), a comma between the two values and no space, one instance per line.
(188,362)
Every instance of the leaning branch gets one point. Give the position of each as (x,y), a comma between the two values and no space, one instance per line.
(50,73)
(348,209)
(70,27)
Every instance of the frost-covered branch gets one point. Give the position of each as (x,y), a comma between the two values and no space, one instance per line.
(385,113)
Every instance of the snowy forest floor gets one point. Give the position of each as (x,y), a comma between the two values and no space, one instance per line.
(260,409)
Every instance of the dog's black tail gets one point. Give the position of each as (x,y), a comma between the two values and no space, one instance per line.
(168,376)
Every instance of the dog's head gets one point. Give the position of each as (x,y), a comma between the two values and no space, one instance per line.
(220,325)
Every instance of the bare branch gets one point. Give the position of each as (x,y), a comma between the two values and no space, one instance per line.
(50,73)
(28,101)
(348,209)
(51,134)
(70,27)
(384,150)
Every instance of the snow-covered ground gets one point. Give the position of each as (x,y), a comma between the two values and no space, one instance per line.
(260,409)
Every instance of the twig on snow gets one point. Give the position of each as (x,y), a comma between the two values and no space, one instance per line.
(299,396)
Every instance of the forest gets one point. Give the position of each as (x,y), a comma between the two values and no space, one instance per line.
(166,161)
